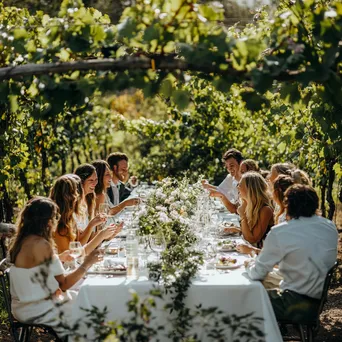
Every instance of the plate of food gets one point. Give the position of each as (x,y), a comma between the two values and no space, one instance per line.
(225,263)
(227,245)
(108,266)
(226,229)
(113,250)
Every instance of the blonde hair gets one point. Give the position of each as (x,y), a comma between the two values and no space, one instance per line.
(257,196)
(281,184)
(251,165)
(283,168)
(300,177)
(65,193)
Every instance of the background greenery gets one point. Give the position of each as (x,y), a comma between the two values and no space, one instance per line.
(271,88)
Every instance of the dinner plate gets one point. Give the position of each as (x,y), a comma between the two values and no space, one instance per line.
(107,271)
(230,249)
(226,267)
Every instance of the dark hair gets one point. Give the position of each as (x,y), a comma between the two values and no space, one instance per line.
(84,171)
(100,166)
(233,153)
(34,220)
(114,158)
(301,200)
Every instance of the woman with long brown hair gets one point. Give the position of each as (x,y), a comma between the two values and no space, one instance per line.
(37,274)
(104,178)
(66,193)
(86,221)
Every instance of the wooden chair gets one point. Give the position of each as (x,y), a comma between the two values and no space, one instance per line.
(21,332)
(7,230)
(308,330)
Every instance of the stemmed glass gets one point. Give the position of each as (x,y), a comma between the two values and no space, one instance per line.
(157,243)
(76,250)
(104,208)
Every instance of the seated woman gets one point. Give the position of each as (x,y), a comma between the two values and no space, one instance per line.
(281,184)
(256,212)
(104,178)
(85,219)
(300,177)
(249,165)
(280,169)
(37,276)
(66,195)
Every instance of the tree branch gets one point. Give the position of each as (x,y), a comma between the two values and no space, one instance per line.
(116,65)
(161,62)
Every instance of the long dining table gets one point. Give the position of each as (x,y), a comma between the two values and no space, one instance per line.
(231,291)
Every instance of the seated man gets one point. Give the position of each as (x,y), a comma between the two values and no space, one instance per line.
(305,248)
(227,190)
(118,163)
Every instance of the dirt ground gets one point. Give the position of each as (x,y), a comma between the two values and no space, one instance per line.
(331,317)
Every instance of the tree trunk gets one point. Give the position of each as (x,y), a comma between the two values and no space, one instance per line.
(6,206)
(24,183)
(323,188)
(63,161)
(331,179)
(45,165)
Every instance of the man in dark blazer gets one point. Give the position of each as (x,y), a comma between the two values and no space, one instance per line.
(118,163)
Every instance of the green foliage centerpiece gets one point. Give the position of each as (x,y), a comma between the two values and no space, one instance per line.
(169,210)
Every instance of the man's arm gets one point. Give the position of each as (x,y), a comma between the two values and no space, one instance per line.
(270,255)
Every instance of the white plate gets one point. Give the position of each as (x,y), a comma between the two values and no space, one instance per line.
(231,249)
(104,270)
(226,267)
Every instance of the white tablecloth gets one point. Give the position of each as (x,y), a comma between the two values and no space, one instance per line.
(233,293)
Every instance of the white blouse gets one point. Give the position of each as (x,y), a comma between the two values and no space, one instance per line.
(26,283)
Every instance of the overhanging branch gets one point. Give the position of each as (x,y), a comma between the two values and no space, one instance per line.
(116,65)
(168,63)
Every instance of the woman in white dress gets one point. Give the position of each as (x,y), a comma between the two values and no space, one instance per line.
(85,219)
(39,287)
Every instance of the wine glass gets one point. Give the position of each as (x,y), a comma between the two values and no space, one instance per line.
(104,208)
(157,243)
(76,250)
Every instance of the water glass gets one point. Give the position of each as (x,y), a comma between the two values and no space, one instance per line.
(157,243)
(76,250)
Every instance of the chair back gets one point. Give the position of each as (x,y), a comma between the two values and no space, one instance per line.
(5,289)
(7,230)
(326,286)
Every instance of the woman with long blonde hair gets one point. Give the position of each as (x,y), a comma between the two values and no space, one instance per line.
(66,193)
(256,212)
(38,279)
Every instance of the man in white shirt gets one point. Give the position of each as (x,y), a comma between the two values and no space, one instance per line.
(305,248)
(227,191)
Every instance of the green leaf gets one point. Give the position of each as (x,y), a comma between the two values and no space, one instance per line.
(181,98)
(151,33)
(20,33)
(126,29)
(253,100)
